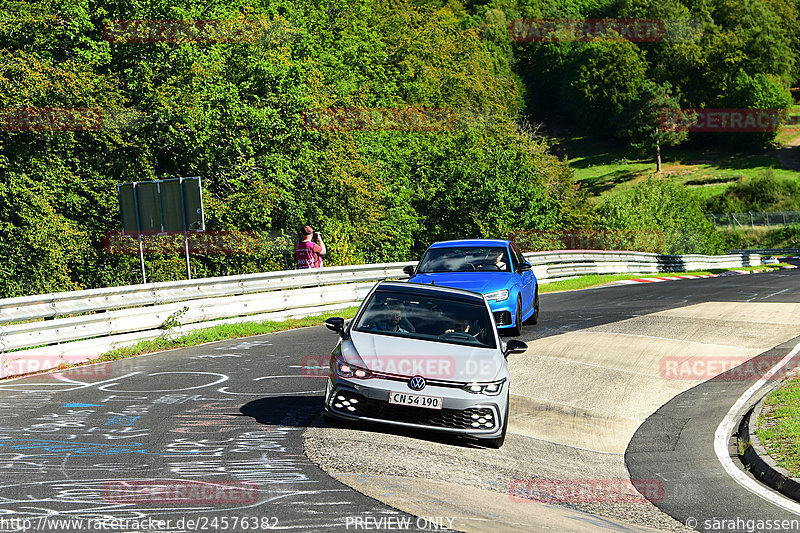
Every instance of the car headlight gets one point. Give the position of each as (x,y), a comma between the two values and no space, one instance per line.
(498,296)
(346,370)
(493,388)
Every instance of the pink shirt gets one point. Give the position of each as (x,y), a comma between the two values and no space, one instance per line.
(308,255)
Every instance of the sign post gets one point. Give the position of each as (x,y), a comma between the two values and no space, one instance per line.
(162,207)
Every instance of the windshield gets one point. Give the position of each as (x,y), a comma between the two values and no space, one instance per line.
(465,259)
(428,318)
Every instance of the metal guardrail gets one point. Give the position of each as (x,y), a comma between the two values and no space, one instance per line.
(90,322)
(52,305)
(768,251)
(755,218)
(553,265)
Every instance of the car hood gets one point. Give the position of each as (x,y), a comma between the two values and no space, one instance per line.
(482,282)
(431,360)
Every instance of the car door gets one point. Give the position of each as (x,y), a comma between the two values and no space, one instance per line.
(526,283)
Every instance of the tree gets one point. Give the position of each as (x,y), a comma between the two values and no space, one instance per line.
(760,91)
(646,121)
(601,78)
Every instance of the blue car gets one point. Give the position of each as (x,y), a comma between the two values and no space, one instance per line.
(495,268)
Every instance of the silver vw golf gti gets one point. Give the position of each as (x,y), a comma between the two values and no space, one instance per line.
(422,356)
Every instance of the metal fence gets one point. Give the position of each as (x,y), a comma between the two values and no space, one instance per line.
(80,325)
(755,218)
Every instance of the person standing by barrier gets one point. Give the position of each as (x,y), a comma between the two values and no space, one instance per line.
(308,253)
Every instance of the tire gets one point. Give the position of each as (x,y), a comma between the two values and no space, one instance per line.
(496,443)
(534,318)
(516,329)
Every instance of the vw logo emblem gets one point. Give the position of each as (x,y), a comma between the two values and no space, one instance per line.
(416,383)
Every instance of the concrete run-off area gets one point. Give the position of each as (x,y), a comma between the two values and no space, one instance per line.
(577,398)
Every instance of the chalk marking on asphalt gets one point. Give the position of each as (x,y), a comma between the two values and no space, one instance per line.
(10,386)
(725,430)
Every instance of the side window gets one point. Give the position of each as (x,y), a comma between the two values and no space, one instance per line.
(518,257)
(514,260)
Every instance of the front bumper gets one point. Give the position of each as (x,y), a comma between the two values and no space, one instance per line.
(462,412)
(504,315)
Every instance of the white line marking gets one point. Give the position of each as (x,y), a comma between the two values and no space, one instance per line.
(725,430)
(774,294)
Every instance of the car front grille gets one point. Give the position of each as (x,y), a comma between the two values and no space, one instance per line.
(473,418)
(502,318)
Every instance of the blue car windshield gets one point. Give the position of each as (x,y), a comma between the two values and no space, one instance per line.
(428,318)
(465,259)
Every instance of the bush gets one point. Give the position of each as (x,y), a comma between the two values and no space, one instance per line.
(666,207)
(762,193)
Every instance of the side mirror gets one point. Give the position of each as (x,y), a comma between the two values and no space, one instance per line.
(514,346)
(335,324)
(409,270)
(524,267)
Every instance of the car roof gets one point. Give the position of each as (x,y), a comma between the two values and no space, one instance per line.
(470,242)
(425,289)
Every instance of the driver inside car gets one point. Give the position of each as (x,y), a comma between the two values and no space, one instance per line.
(458,325)
(391,319)
(497,262)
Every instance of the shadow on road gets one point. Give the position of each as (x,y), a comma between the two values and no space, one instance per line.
(294,410)
(305,411)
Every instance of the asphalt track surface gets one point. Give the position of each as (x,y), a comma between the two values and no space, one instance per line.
(676,444)
(103,441)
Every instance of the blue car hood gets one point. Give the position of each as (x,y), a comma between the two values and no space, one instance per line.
(482,282)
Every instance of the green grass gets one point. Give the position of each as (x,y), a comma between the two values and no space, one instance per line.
(595,280)
(778,426)
(220,332)
(603,169)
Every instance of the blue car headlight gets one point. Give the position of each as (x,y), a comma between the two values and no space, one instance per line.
(498,296)
(493,388)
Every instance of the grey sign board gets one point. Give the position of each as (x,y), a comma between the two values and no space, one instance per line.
(173,205)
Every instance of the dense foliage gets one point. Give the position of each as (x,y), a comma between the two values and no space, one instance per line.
(236,114)
(233,113)
(732,54)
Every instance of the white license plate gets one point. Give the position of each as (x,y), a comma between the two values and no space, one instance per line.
(416,400)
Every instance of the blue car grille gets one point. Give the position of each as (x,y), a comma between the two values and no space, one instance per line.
(475,418)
